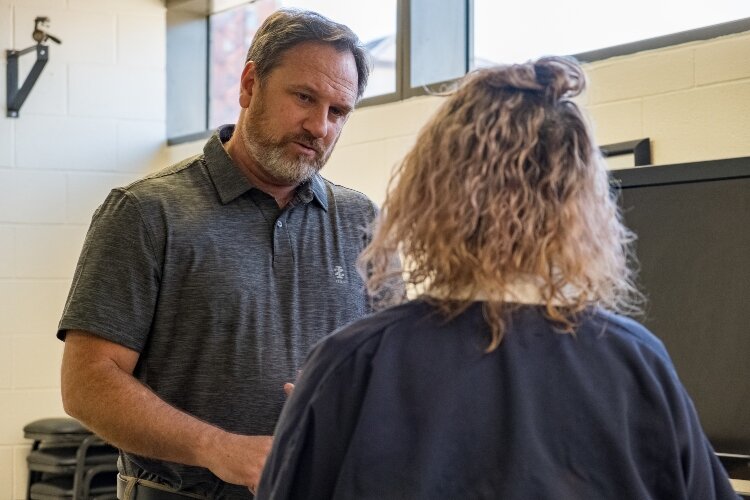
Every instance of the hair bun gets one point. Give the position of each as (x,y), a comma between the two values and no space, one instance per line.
(559,77)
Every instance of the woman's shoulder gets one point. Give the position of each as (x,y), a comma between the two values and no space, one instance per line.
(374,325)
(622,329)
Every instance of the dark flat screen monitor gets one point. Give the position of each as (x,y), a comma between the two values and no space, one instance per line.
(693,226)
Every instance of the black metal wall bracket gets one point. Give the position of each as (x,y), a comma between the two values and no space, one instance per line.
(16,96)
(639,148)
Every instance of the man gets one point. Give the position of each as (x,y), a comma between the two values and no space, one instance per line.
(201,288)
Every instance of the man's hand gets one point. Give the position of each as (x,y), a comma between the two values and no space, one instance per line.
(239,459)
(288,388)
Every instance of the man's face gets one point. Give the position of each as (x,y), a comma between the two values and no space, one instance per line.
(295,115)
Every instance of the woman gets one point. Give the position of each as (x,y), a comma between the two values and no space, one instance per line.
(512,375)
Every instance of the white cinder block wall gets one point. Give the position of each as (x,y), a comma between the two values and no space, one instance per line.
(691,100)
(94,119)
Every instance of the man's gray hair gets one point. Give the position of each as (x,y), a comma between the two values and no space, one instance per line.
(289,27)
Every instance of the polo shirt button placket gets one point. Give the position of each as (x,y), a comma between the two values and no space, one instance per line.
(282,251)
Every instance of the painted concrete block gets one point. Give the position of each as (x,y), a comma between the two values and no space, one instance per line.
(702,124)
(34,258)
(32,306)
(722,60)
(617,122)
(87,36)
(6,472)
(86,191)
(7,251)
(77,143)
(31,197)
(142,40)
(117,92)
(141,146)
(645,74)
(36,361)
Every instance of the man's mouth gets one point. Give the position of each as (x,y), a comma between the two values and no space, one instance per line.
(306,148)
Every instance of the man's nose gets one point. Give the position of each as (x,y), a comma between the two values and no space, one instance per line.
(316,122)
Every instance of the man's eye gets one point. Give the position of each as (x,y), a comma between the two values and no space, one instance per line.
(340,112)
(304,97)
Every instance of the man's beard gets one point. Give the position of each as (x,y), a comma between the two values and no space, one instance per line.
(272,156)
(275,161)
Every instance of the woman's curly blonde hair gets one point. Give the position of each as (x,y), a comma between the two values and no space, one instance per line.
(505,185)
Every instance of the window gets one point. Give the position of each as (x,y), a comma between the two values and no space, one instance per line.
(232,30)
(507,32)
(438,42)
(418,46)
(229,35)
(375,24)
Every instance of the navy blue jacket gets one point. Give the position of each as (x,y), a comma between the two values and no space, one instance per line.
(403,404)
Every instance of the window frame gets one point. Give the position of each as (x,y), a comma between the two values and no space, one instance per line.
(404,90)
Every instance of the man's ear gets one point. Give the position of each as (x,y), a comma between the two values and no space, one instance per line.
(247,83)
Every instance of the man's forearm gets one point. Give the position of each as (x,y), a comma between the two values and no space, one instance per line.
(99,390)
(129,415)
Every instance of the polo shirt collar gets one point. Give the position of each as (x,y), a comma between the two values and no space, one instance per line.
(319,191)
(228,180)
(231,183)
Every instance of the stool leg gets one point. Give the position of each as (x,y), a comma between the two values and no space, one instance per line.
(34,476)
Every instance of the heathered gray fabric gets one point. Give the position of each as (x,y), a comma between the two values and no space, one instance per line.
(221,292)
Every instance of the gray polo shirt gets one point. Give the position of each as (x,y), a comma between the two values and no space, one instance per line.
(221,292)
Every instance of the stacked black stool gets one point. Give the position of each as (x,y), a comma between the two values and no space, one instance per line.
(69,462)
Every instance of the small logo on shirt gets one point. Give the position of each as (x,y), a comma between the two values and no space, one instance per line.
(339,274)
